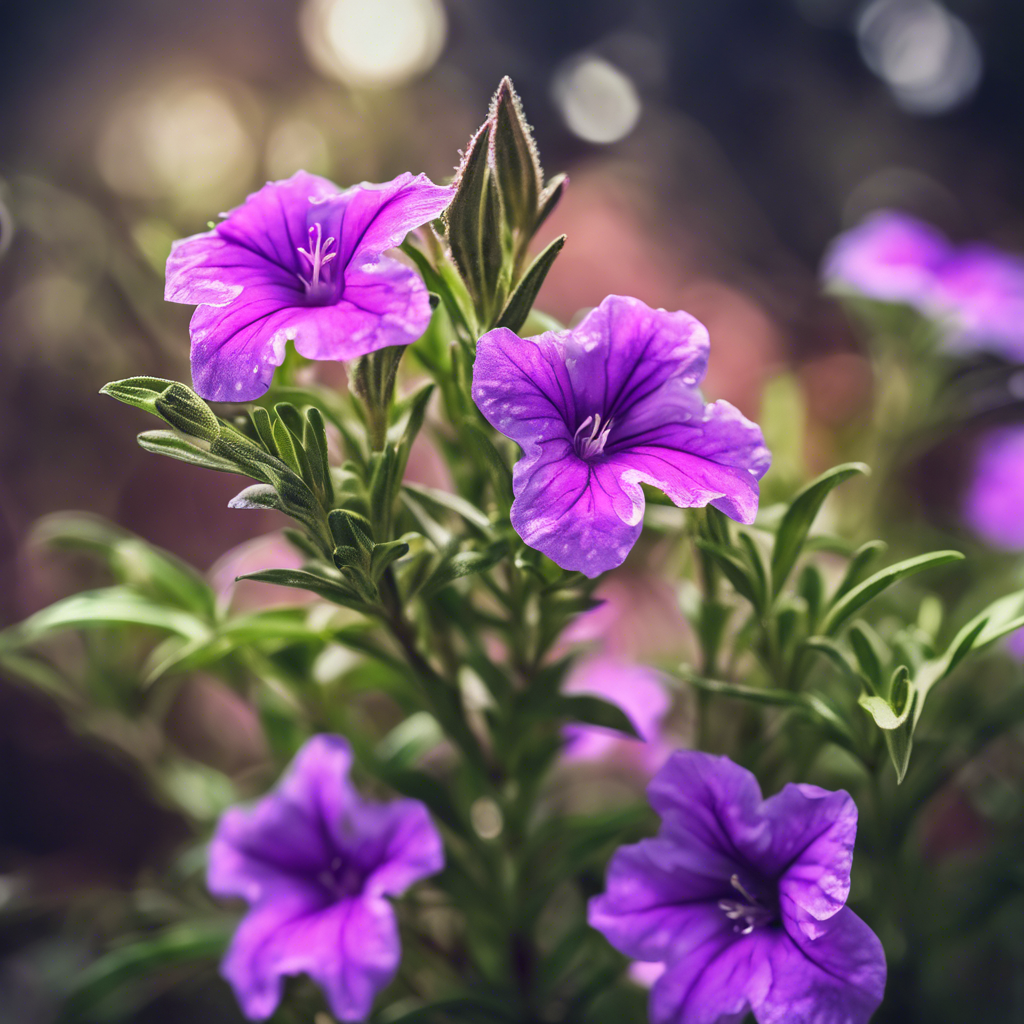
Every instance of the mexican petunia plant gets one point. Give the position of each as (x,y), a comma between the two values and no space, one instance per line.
(446,820)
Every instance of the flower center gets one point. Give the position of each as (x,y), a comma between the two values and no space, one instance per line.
(342,878)
(749,913)
(318,255)
(591,437)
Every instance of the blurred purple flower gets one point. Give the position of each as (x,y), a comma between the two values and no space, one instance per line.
(301,260)
(743,900)
(974,293)
(891,257)
(315,862)
(980,291)
(993,504)
(640,693)
(602,407)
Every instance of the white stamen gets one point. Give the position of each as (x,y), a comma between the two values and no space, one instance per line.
(593,443)
(317,254)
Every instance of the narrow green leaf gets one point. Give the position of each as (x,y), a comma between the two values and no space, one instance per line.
(462,219)
(735,571)
(861,594)
(521,301)
(590,710)
(110,606)
(140,392)
(332,590)
(184,410)
(383,555)
(796,523)
(500,475)
(549,198)
(453,503)
(871,653)
(196,942)
(860,561)
(465,563)
(167,442)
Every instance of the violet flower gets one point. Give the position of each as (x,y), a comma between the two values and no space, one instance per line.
(974,293)
(641,694)
(316,862)
(600,409)
(890,256)
(743,900)
(979,292)
(300,260)
(993,505)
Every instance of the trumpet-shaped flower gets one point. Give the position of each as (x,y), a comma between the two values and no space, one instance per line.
(974,293)
(744,902)
(602,408)
(300,260)
(316,863)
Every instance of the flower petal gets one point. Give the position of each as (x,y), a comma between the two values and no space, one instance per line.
(717,982)
(713,455)
(291,832)
(256,244)
(578,514)
(812,836)
(838,978)
(236,348)
(661,899)
(350,949)
(713,804)
(890,257)
(396,842)
(369,219)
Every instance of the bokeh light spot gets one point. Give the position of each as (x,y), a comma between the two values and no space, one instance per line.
(373,42)
(598,102)
(928,57)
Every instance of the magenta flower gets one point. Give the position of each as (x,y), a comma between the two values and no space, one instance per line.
(743,900)
(975,294)
(315,862)
(300,260)
(641,694)
(980,294)
(993,505)
(600,409)
(891,257)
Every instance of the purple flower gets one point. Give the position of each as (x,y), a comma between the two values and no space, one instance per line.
(316,862)
(975,293)
(993,505)
(743,900)
(300,260)
(980,292)
(600,409)
(640,692)
(891,257)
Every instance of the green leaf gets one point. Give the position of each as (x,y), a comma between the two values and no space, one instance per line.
(796,523)
(736,572)
(465,563)
(184,410)
(463,217)
(131,559)
(516,164)
(167,442)
(453,503)
(497,468)
(755,694)
(549,198)
(832,650)
(893,716)
(351,529)
(860,560)
(111,606)
(196,942)
(332,590)
(521,301)
(140,392)
(383,555)
(590,710)
(871,653)
(861,594)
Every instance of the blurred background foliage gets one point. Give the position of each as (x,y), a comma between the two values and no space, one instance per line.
(713,150)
